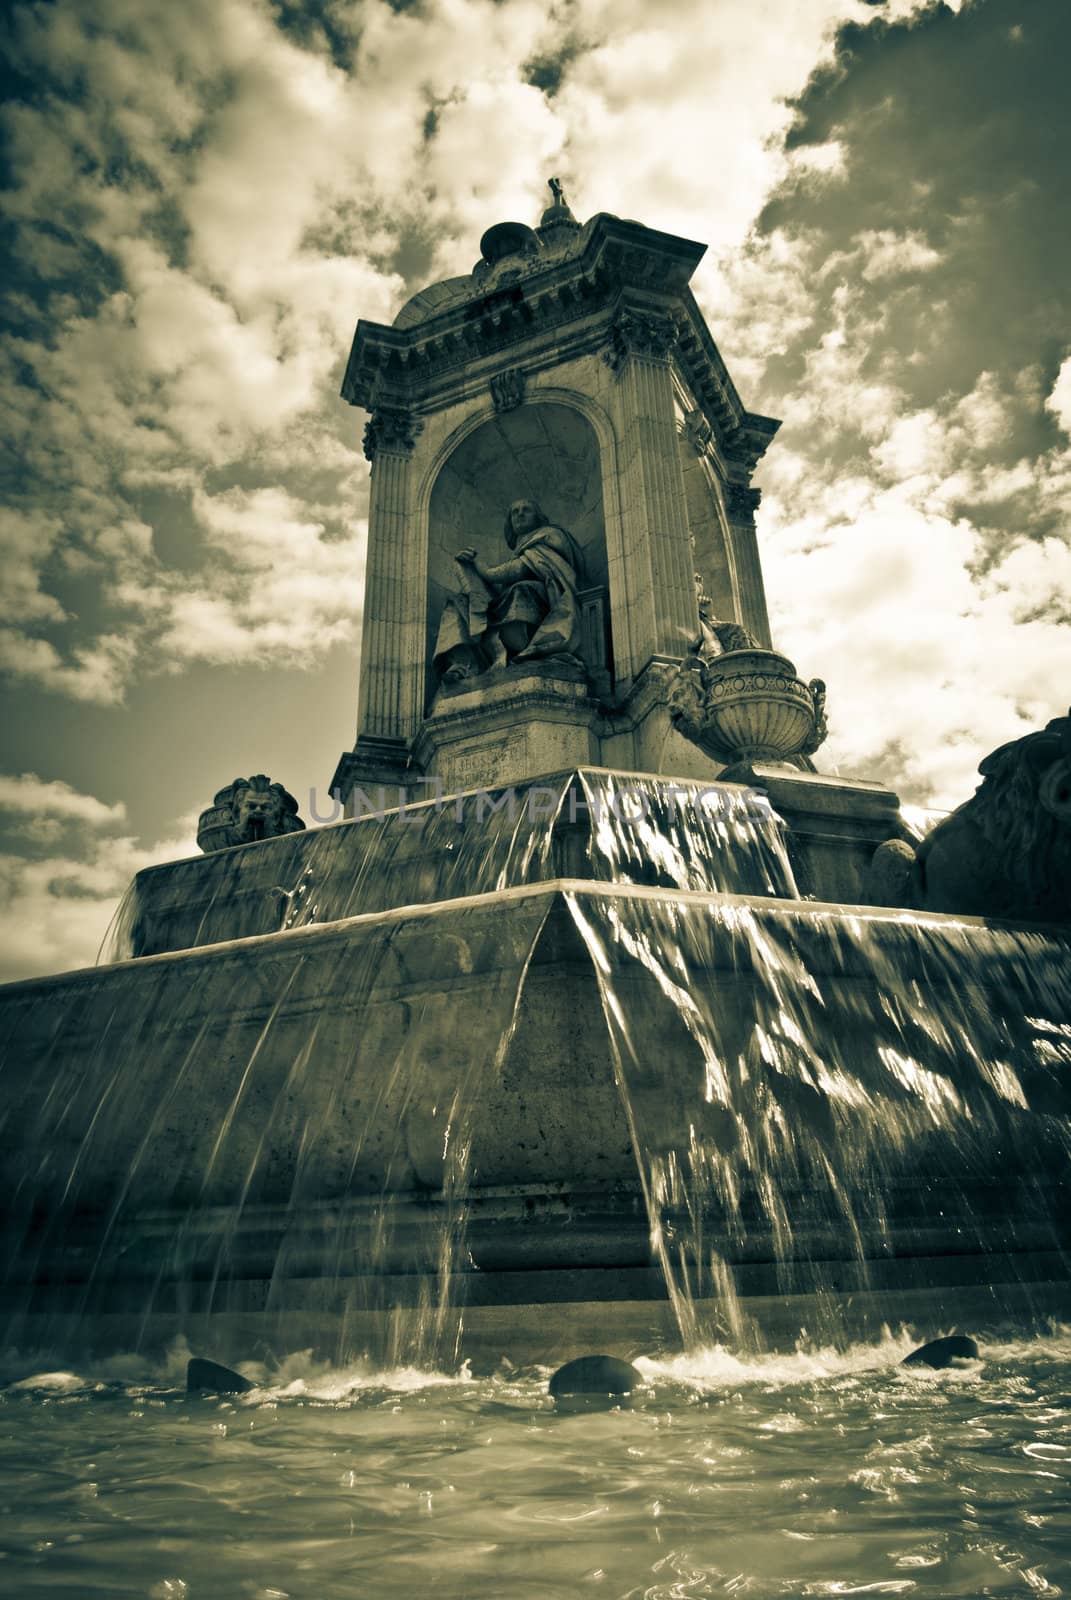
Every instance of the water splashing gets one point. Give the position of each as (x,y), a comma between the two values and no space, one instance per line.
(838,1083)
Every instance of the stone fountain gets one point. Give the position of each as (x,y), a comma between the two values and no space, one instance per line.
(585,1022)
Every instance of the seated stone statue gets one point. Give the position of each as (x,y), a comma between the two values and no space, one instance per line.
(524,609)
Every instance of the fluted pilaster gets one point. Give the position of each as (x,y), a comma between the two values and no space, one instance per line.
(741,503)
(392,647)
(657,581)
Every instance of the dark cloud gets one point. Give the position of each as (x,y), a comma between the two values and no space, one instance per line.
(546,72)
(956,126)
(321,25)
(903,303)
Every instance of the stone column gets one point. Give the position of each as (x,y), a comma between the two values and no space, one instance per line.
(657,583)
(392,647)
(741,503)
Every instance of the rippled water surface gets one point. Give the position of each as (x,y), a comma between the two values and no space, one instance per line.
(810,1474)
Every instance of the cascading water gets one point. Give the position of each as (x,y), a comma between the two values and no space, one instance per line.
(405,854)
(304,1118)
(620,827)
(839,1082)
(281,1134)
(716,838)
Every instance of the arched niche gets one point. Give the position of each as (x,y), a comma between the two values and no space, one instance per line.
(710,536)
(541,451)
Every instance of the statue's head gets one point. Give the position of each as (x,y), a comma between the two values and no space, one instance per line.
(1035,770)
(523,516)
(258,807)
(246,810)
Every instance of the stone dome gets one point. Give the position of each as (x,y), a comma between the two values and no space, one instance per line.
(508,250)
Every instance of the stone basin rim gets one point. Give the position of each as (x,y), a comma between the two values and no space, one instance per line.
(450,797)
(552,889)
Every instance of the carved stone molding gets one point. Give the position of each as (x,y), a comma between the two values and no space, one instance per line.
(507,389)
(747,445)
(698,432)
(392,430)
(741,501)
(639,333)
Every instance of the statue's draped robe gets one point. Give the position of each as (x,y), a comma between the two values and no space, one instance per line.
(538,588)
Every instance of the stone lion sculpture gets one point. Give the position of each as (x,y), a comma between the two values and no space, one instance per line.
(246,810)
(1005,853)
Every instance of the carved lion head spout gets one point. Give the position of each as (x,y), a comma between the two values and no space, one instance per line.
(1006,852)
(248,809)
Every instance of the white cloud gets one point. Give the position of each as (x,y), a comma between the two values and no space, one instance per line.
(285,586)
(937,644)
(825,160)
(34,796)
(65,875)
(679,122)
(27,541)
(888,254)
(759,301)
(96,673)
(219,350)
(1059,401)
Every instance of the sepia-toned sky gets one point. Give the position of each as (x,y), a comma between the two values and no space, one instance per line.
(200,199)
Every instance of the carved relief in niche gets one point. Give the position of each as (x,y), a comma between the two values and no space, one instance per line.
(507,389)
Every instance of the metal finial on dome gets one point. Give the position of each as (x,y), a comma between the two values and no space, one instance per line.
(557,215)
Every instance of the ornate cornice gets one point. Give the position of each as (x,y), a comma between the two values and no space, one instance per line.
(554,307)
(613,257)
(747,443)
(742,436)
(391,429)
(741,501)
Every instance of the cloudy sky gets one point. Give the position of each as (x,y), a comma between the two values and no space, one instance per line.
(200,198)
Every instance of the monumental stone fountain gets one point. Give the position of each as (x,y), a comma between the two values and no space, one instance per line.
(584,1023)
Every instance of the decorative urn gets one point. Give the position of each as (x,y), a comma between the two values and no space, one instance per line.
(749,705)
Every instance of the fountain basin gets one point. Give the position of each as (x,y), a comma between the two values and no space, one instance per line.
(419,852)
(404,851)
(319,1132)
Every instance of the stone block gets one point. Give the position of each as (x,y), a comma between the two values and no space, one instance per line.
(835,825)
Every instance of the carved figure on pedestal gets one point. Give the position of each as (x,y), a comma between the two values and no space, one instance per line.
(1006,852)
(716,637)
(524,609)
(248,809)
